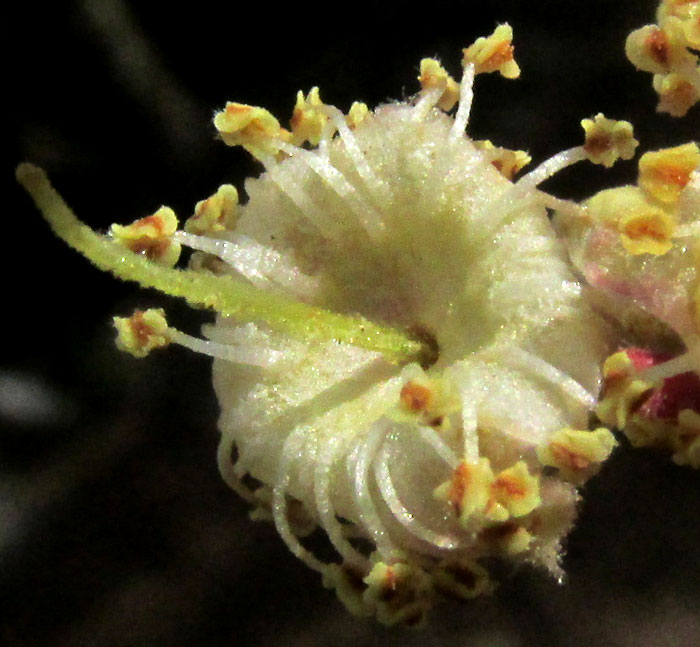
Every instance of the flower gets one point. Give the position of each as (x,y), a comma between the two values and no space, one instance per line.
(404,356)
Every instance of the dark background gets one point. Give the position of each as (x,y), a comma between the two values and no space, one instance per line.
(115,528)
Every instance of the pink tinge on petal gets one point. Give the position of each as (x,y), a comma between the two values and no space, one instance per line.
(657,296)
(601,278)
(677,393)
(643,358)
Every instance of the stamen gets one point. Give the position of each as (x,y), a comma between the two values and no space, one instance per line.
(151,237)
(665,173)
(251,127)
(147,330)
(434,77)
(308,118)
(357,114)
(608,140)
(567,208)
(494,53)
(643,227)
(577,454)
(217,213)
(142,332)
(507,162)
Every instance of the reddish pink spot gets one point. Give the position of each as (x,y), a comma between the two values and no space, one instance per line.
(675,394)
(643,358)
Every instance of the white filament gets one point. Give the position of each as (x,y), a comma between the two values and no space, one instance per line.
(514,356)
(432,438)
(261,265)
(329,520)
(685,363)
(226,468)
(279,174)
(379,190)
(402,515)
(290,450)
(548,168)
(370,219)
(244,354)
(427,101)
(466,96)
(367,511)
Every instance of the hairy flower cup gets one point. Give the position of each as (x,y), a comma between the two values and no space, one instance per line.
(407,353)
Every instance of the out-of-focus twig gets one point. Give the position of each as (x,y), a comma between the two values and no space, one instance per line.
(139,67)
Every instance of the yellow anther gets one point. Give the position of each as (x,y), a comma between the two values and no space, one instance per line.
(691,27)
(151,236)
(680,435)
(644,227)
(464,579)
(507,538)
(664,174)
(428,401)
(648,232)
(647,48)
(675,29)
(516,542)
(669,51)
(622,392)
(577,454)
(679,8)
(399,593)
(687,439)
(348,586)
(659,49)
(494,53)
(142,332)
(469,489)
(308,119)
(216,213)
(516,490)
(643,431)
(357,114)
(416,397)
(433,75)
(251,127)
(607,140)
(677,94)
(507,162)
